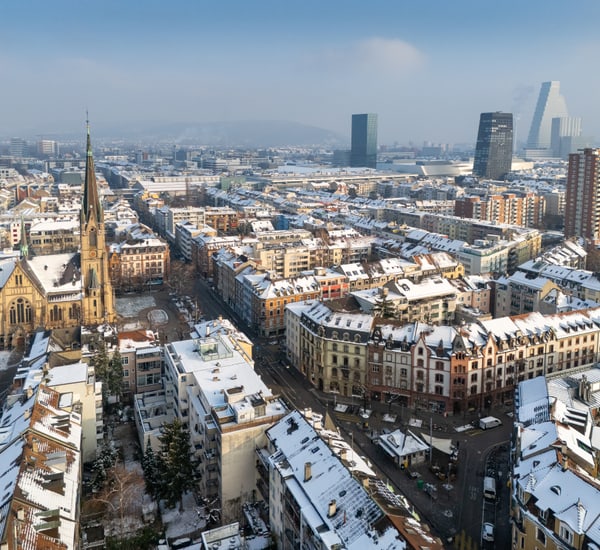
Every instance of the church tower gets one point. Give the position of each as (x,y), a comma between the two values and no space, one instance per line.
(97,300)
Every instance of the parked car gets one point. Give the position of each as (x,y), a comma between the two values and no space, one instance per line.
(487,532)
(431,490)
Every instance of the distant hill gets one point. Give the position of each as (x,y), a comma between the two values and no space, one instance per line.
(251,133)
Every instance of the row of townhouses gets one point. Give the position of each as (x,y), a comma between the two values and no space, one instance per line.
(475,365)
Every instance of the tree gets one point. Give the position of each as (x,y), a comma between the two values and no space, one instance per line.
(105,461)
(176,460)
(153,468)
(115,375)
(384,307)
(109,370)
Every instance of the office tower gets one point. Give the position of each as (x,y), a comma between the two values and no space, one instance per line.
(363,151)
(493,152)
(17,148)
(47,148)
(582,208)
(550,104)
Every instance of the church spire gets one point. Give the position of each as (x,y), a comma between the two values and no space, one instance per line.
(91,202)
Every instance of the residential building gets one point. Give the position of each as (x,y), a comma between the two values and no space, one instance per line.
(139,260)
(54,236)
(431,300)
(333,344)
(520,293)
(582,208)
(141,357)
(493,151)
(211,386)
(554,477)
(314,501)
(80,394)
(363,151)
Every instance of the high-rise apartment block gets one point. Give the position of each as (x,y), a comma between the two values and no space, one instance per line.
(493,152)
(47,148)
(582,209)
(363,152)
(18,148)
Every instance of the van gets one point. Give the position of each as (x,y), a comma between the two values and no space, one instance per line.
(489,488)
(489,422)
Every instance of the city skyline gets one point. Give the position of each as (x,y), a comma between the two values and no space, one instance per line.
(428,73)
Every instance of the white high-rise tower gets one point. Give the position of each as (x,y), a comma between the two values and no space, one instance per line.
(550,105)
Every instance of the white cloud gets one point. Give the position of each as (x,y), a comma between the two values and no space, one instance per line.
(380,55)
(391,55)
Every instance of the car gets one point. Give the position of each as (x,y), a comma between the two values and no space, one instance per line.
(364,413)
(487,532)
(431,490)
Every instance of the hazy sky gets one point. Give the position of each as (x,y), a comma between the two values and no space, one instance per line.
(428,68)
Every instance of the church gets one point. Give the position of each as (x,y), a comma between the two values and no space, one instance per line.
(62,292)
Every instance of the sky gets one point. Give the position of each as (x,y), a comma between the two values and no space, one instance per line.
(427,68)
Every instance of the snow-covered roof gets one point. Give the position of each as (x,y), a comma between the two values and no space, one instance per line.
(400,445)
(334,504)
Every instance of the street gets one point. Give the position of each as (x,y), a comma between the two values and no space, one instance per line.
(457,510)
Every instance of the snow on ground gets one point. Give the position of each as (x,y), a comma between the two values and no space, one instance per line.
(4,356)
(131,306)
(158,317)
(187,523)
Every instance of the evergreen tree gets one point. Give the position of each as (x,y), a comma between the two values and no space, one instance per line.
(106,459)
(115,375)
(109,370)
(176,457)
(384,307)
(152,467)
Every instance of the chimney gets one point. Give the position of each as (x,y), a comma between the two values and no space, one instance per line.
(332,508)
(307,472)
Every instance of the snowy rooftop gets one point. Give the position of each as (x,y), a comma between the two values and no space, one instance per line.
(399,445)
(350,520)
(68,374)
(532,401)
(58,273)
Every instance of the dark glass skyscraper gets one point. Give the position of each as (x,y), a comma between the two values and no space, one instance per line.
(493,153)
(364,141)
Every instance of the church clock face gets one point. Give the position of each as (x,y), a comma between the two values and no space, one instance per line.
(92,253)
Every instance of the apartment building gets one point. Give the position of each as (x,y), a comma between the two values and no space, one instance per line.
(314,500)
(261,299)
(141,357)
(333,346)
(81,395)
(554,478)
(54,236)
(211,386)
(525,209)
(140,259)
(223,219)
(520,293)
(204,246)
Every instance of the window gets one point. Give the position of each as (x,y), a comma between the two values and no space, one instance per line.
(566,534)
(403,372)
(125,360)
(439,378)
(540,535)
(375,368)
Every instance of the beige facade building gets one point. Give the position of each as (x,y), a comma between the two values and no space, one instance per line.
(211,386)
